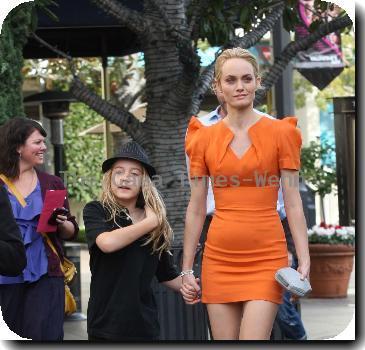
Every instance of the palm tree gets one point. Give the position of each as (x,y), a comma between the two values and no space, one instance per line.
(175,85)
(168,32)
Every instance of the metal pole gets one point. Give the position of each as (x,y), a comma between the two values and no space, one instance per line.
(58,142)
(344,112)
(283,90)
(106,95)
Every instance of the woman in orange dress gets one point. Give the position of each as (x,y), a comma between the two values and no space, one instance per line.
(245,155)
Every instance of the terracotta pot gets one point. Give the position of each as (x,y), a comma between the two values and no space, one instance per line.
(331,267)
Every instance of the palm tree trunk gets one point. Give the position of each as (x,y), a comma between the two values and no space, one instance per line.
(167,112)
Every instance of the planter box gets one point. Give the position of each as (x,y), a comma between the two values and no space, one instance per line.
(331,267)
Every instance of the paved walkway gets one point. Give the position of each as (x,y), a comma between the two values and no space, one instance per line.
(323,318)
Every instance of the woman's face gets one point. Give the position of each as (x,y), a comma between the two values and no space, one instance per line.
(238,83)
(126,179)
(33,150)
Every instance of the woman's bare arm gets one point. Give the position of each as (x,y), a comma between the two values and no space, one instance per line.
(194,221)
(294,212)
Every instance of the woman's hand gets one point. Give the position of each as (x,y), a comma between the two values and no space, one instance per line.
(190,289)
(61,219)
(304,269)
(65,228)
(151,216)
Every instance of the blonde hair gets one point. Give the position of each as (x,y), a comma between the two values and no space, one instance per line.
(161,237)
(236,52)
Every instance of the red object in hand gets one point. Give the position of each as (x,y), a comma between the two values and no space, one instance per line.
(53,199)
(56,212)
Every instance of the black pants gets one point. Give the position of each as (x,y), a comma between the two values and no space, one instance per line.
(105,340)
(203,237)
(35,310)
(96,339)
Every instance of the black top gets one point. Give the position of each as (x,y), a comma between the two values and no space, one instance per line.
(289,238)
(12,251)
(121,304)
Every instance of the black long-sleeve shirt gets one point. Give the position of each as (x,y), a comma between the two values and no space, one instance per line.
(12,251)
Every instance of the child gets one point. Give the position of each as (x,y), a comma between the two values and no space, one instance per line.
(129,239)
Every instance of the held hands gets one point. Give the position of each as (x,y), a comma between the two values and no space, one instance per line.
(190,289)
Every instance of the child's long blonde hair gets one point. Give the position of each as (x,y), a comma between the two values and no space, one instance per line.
(161,237)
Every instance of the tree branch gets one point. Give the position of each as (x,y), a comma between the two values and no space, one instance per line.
(134,98)
(124,119)
(54,49)
(118,116)
(171,30)
(197,11)
(293,48)
(181,93)
(188,57)
(50,47)
(245,42)
(126,16)
(187,54)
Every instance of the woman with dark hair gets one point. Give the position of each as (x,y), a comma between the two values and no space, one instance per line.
(32,302)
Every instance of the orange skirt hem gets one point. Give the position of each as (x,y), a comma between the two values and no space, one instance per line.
(240,298)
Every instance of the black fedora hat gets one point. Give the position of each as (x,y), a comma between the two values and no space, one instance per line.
(130,150)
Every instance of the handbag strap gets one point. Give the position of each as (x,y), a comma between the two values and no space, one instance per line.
(14,190)
(50,244)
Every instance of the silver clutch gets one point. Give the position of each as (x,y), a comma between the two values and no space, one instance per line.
(290,280)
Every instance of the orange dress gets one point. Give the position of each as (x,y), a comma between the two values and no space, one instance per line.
(245,243)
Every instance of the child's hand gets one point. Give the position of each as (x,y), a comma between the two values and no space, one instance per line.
(151,215)
(189,293)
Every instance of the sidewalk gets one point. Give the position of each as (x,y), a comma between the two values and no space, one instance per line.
(323,318)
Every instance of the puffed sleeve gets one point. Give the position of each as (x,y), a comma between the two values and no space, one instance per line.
(195,146)
(289,143)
